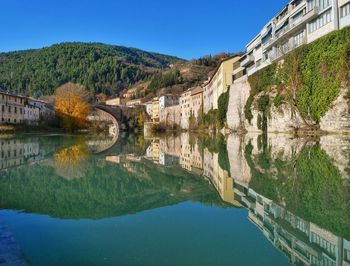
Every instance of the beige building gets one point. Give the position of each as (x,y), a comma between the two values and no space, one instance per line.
(135,102)
(11,108)
(219,83)
(116,101)
(155,110)
(185,103)
(197,102)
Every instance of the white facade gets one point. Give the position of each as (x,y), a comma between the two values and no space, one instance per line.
(168,100)
(299,22)
(31,114)
(149,108)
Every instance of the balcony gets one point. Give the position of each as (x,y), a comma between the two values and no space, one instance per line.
(280,52)
(292,27)
(248,60)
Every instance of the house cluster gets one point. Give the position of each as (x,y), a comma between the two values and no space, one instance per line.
(16,109)
(299,22)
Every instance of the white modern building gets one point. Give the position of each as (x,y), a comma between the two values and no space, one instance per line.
(298,23)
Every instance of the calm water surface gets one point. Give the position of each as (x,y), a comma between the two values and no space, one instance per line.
(174,200)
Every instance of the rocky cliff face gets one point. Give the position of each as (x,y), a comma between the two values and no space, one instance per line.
(239,93)
(337,119)
(267,154)
(284,118)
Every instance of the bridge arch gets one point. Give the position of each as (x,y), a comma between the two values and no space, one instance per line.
(108,115)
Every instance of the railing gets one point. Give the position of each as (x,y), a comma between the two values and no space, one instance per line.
(285,50)
(293,24)
(247,60)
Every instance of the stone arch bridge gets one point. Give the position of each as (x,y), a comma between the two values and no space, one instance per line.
(116,118)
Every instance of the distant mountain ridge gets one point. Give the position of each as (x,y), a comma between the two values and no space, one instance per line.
(99,67)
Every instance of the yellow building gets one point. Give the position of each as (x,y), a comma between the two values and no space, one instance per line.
(155,110)
(219,83)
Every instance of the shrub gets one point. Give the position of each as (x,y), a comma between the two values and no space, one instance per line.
(223,107)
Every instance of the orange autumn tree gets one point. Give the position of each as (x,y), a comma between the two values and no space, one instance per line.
(72,105)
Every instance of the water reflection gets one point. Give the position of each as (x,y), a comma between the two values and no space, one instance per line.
(296,191)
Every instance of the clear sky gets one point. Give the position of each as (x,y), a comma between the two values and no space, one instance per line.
(185,28)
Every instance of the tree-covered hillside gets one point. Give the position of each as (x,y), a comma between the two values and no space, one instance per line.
(99,67)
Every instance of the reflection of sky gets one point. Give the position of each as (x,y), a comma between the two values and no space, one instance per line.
(184,234)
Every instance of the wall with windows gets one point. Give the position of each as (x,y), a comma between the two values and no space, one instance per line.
(11,109)
(344,13)
(321,25)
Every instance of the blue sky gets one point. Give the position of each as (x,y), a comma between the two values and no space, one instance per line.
(185,28)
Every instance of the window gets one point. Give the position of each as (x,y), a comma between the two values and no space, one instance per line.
(299,39)
(347,255)
(321,4)
(345,10)
(319,22)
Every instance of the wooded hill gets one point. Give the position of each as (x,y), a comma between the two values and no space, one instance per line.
(99,67)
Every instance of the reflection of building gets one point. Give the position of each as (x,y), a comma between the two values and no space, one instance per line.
(15,152)
(303,242)
(186,151)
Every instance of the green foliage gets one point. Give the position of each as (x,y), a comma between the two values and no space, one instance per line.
(223,107)
(263,103)
(308,184)
(216,144)
(248,109)
(103,189)
(310,75)
(324,66)
(263,79)
(163,80)
(210,119)
(259,122)
(99,67)
(278,100)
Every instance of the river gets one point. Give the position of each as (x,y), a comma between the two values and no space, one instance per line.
(174,200)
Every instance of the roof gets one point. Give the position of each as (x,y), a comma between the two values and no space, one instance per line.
(36,100)
(2,91)
(169,94)
(196,90)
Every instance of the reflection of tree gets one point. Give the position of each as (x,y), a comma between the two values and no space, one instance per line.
(105,190)
(70,162)
(308,184)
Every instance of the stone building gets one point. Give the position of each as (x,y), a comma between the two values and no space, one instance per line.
(185,103)
(155,110)
(197,102)
(11,108)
